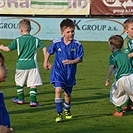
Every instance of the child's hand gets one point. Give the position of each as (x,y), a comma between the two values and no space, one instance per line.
(107,83)
(47,66)
(4,129)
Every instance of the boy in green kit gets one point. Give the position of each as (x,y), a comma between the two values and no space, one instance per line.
(128,48)
(122,88)
(26,65)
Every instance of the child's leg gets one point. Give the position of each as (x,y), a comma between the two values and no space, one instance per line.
(58,103)
(33,93)
(20,92)
(119,111)
(67,103)
(127,105)
(67,94)
(58,99)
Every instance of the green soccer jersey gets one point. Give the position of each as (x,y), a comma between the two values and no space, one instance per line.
(26,46)
(128,46)
(121,62)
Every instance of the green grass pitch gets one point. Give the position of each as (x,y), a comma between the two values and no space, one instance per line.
(91,108)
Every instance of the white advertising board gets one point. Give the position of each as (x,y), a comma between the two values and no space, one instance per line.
(86,29)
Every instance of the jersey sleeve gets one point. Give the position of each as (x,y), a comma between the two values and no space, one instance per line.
(51,48)
(13,45)
(80,52)
(40,44)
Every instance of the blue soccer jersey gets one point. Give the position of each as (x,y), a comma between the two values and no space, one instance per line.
(65,73)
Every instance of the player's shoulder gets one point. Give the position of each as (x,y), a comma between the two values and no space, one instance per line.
(77,42)
(57,40)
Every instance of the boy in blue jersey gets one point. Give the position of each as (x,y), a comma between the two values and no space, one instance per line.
(69,52)
(26,65)
(128,48)
(122,88)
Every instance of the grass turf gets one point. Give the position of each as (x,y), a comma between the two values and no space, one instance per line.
(91,108)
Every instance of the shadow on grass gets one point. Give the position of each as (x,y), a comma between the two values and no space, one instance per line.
(24,110)
(45,126)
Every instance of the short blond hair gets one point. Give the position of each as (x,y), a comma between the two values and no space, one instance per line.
(127,22)
(25,24)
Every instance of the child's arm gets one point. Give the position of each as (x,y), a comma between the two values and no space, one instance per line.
(110,70)
(46,65)
(4,48)
(77,60)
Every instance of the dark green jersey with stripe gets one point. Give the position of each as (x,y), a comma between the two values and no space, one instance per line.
(121,62)
(26,46)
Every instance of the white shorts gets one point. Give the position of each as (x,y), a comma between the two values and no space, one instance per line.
(31,75)
(122,90)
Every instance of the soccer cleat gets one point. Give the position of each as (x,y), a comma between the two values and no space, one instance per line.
(127,109)
(68,114)
(17,101)
(34,104)
(59,118)
(118,114)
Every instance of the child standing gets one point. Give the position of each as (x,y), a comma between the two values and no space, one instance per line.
(69,52)
(122,88)
(128,48)
(26,65)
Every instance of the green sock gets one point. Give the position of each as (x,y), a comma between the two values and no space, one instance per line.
(128,102)
(33,92)
(119,109)
(20,92)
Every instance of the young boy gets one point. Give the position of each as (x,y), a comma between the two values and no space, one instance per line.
(128,48)
(128,42)
(4,116)
(26,65)
(69,52)
(122,88)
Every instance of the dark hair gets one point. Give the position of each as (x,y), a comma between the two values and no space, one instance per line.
(66,23)
(117,41)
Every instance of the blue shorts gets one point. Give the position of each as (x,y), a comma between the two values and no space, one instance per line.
(67,89)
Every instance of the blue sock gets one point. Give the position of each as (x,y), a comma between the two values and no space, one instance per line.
(4,116)
(67,106)
(58,102)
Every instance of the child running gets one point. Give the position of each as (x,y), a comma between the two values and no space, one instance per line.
(69,52)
